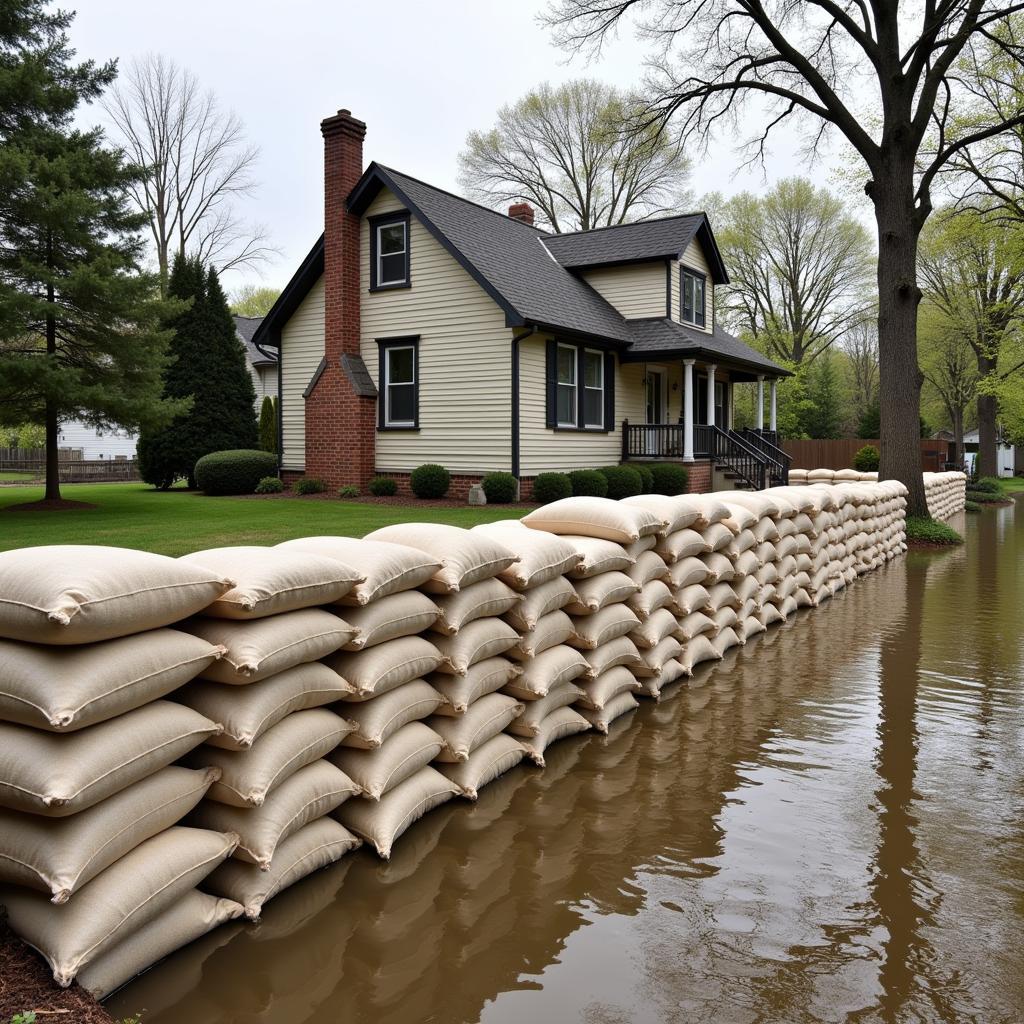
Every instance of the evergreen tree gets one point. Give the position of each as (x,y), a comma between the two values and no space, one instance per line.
(268,424)
(870,422)
(80,325)
(823,417)
(209,368)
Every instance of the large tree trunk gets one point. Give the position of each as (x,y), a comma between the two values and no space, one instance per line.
(958,437)
(988,455)
(900,376)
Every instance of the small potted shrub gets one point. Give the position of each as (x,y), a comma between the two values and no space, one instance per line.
(588,483)
(548,487)
(383,486)
(500,488)
(430,481)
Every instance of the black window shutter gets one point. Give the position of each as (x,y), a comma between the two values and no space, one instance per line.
(551,383)
(609,391)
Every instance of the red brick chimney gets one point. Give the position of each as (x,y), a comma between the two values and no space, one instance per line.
(340,425)
(521,211)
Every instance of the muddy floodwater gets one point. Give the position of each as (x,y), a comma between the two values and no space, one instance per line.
(826,826)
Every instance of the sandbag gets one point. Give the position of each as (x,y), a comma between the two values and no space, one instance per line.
(124,897)
(596,693)
(654,629)
(725,639)
(591,631)
(535,711)
(381,822)
(691,599)
(740,517)
(699,649)
(655,659)
(264,647)
(615,708)
(717,536)
(399,615)
(712,509)
(487,676)
(538,601)
(498,755)
(312,847)
(61,689)
(653,684)
(542,556)
(375,720)
(478,601)
(79,593)
(388,665)
(597,556)
(648,566)
(718,568)
(189,918)
(58,775)
(693,625)
(620,651)
(556,726)
(59,855)
(676,512)
(721,595)
(246,712)
(649,599)
(688,572)
(683,544)
(248,776)
(484,638)
(595,517)
(549,668)
(483,719)
(308,794)
(386,568)
(553,629)
(402,754)
(723,618)
(599,591)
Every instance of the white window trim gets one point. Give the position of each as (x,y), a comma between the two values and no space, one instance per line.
(388,421)
(574,422)
(404,251)
(600,362)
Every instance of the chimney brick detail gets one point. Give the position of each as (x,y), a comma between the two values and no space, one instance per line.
(521,211)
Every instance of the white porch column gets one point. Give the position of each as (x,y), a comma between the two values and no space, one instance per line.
(760,403)
(687,410)
(771,419)
(711,394)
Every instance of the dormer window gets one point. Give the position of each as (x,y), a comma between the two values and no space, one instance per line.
(691,291)
(389,252)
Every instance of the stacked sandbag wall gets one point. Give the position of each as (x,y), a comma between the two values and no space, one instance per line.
(946,493)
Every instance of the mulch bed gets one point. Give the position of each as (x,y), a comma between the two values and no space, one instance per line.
(27,984)
(49,505)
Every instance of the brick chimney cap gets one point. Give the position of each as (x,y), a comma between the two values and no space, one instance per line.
(521,212)
(343,123)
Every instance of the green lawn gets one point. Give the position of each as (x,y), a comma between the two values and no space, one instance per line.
(175,522)
(1008,485)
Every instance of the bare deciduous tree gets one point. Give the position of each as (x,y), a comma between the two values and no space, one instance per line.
(860,346)
(199,162)
(950,369)
(563,149)
(888,77)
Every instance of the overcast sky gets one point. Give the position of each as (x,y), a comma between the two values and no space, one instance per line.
(421,75)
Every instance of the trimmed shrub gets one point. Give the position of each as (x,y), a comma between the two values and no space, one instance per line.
(383,486)
(236,471)
(268,424)
(500,488)
(669,478)
(548,487)
(985,497)
(646,477)
(430,481)
(309,485)
(985,484)
(270,485)
(348,491)
(971,506)
(865,460)
(623,481)
(586,483)
(923,530)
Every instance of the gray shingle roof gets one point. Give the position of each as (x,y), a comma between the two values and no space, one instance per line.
(246,327)
(626,243)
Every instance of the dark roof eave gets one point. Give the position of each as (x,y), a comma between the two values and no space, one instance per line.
(705,355)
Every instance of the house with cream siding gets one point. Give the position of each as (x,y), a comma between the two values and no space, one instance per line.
(422,327)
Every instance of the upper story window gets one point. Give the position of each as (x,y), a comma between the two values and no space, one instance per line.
(691,290)
(399,384)
(389,251)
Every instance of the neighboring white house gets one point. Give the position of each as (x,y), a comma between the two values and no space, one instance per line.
(1005,453)
(262,364)
(97,444)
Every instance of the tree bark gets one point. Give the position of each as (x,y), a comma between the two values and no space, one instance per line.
(988,456)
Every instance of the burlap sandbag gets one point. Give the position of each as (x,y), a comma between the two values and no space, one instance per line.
(389,618)
(599,591)
(538,601)
(77,594)
(551,667)
(312,847)
(247,776)
(684,544)
(484,638)
(402,754)
(65,688)
(591,631)
(483,719)
(478,601)
(245,713)
(553,629)
(620,651)
(688,572)
(58,775)
(691,599)
(718,568)
(676,512)
(498,755)
(722,595)
(129,894)
(693,625)
(595,517)
(740,517)
(381,822)
(750,626)
(309,794)
(745,588)
(615,708)
(725,639)
(765,530)
(652,685)
(487,676)
(648,566)
(193,915)
(723,618)
(596,693)
(744,542)
(269,581)
(375,720)
(770,614)
(717,536)
(695,651)
(542,556)
(264,647)
(653,629)
(386,666)
(597,556)
(655,659)
(556,726)
(535,711)
(59,855)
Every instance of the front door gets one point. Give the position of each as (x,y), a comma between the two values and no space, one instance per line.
(720,407)
(655,393)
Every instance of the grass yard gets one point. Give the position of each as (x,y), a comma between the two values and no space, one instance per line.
(1008,485)
(9,475)
(175,522)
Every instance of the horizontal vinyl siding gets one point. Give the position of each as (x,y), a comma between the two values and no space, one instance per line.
(264,380)
(635,290)
(302,348)
(694,258)
(464,358)
(97,444)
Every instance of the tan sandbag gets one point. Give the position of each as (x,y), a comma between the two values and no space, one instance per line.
(375,720)
(381,822)
(597,556)
(725,639)
(688,572)
(467,557)
(745,588)
(311,848)
(59,855)
(193,915)
(599,591)
(718,568)
(553,629)
(309,794)
(61,689)
(265,647)
(79,593)
(398,615)
(549,668)
(596,693)
(750,626)
(269,581)
(721,595)
(691,599)
(653,596)
(58,775)
(595,517)
(483,719)
(648,566)
(248,776)
(712,509)
(124,897)
(615,708)
(683,544)
(677,511)
(620,651)
(717,536)
(535,711)
(498,755)
(591,631)
(386,568)
(765,531)
(484,638)
(769,614)
(487,676)
(538,601)
(245,713)
(761,503)
(652,685)
(740,517)
(542,556)
(478,601)
(557,726)
(723,618)
(402,754)
(693,625)
(388,665)
(743,543)
(655,659)
(699,649)
(653,629)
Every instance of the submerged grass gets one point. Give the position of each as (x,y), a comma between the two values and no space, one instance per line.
(924,530)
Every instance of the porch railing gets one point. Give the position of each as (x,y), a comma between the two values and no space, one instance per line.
(778,461)
(652,440)
(728,448)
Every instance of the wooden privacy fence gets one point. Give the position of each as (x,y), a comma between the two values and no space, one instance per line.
(37,455)
(76,471)
(839,454)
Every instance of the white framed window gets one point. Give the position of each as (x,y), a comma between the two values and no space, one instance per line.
(399,400)
(567,389)
(593,388)
(691,288)
(390,253)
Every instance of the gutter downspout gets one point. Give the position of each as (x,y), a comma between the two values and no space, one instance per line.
(280,405)
(516,339)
